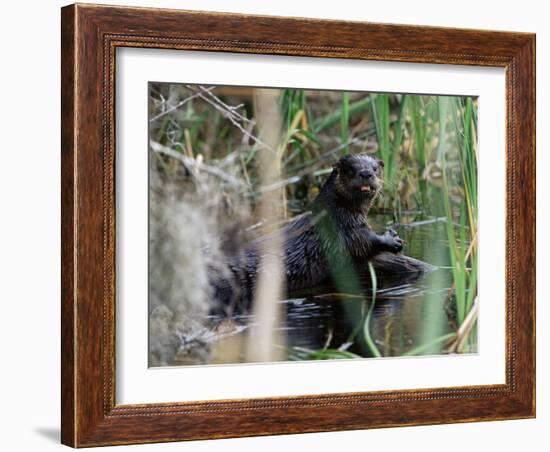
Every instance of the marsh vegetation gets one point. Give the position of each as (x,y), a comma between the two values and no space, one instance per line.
(210,192)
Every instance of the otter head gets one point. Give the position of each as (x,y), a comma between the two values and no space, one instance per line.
(358,178)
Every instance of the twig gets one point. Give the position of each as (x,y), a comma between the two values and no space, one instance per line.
(280,184)
(178,105)
(233,109)
(191,163)
(465,329)
(229,113)
(323,158)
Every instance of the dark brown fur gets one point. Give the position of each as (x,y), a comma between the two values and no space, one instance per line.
(329,240)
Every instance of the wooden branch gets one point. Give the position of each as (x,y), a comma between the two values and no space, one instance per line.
(391,269)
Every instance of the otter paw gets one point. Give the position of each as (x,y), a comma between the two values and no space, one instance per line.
(394,242)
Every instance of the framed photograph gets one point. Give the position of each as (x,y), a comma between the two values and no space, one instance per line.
(282,225)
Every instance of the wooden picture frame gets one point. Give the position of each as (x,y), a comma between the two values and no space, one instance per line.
(90,36)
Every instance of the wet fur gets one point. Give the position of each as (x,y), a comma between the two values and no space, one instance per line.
(335,231)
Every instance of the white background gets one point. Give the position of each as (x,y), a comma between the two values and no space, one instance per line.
(29,187)
(137,384)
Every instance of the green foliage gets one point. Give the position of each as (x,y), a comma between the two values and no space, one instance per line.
(428,145)
(331,354)
(366,324)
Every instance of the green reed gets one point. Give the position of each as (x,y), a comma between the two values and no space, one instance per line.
(428,144)
(463,246)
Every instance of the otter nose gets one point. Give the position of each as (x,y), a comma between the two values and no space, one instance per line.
(366,174)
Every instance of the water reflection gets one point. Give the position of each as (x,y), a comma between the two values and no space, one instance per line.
(410,310)
(398,321)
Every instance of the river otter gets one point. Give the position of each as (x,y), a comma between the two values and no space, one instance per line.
(322,243)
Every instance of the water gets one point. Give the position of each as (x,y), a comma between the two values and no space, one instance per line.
(409,312)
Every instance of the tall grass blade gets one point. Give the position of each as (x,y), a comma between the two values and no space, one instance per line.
(344,121)
(366,328)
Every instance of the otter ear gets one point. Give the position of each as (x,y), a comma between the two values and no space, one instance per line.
(381,163)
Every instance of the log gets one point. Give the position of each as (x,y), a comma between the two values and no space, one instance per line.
(399,268)
(390,269)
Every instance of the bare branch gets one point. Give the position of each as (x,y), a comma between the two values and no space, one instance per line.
(233,109)
(194,165)
(178,105)
(229,113)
